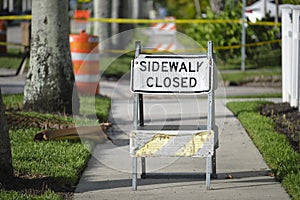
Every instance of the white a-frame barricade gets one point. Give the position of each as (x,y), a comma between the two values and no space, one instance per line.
(169,74)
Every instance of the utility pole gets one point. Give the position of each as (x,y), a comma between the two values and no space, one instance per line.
(243,50)
(277,12)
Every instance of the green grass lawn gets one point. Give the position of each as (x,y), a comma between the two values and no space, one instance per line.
(118,67)
(240,77)
(63,161)
(274,147)
(98,106)
(262,96)
(12,195)
(12,59)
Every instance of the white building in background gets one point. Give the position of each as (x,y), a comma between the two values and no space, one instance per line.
(262,8)
(15,5)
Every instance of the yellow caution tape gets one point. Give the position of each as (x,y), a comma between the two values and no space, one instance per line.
(179,21)
(16,17)
(151,21)
(263,43)
(247,45)
(84,1)
(121,51)
(198,49)
(215,48)
(265,24)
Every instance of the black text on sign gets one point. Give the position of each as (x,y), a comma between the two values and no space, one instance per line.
(169,74)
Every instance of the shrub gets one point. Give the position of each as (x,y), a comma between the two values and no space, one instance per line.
(229,34)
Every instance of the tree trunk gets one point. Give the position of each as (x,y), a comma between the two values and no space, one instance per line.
(135,9)
(277,11)
(217,5)
(265,8)
(125,11)
(115,26)
(198,8)
(6,169)
(50,79)
(102,9)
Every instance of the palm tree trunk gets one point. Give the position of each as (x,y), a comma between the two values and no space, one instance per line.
(6,171)
(102,9)
(115,26)
(50,79)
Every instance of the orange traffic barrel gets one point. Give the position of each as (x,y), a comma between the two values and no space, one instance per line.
(85,59)
(3,29)
(82,15)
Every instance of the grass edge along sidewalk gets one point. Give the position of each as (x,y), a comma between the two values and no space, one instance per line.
(274,147)
(61,162)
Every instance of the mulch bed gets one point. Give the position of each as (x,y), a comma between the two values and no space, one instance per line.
(287,121)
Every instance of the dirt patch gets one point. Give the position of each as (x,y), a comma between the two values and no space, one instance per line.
(19,120)
(287,121)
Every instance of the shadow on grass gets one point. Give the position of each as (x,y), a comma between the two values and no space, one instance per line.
(38,185)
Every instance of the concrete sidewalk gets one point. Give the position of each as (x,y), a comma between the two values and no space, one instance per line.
(108,175)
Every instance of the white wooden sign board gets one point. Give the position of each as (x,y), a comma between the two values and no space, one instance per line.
(171,143)
(171,74)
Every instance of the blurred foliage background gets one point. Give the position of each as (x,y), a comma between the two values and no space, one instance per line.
(229,34)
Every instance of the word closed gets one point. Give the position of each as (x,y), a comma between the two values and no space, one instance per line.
(170,74)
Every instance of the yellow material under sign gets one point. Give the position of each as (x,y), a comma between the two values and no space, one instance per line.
(196,143)
(154,145)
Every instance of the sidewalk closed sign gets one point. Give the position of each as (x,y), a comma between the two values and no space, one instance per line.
(170,74)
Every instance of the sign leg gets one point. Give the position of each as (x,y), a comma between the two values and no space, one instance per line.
(214,165)
(208,168)
(141,109)
(134,173)
(143,175)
